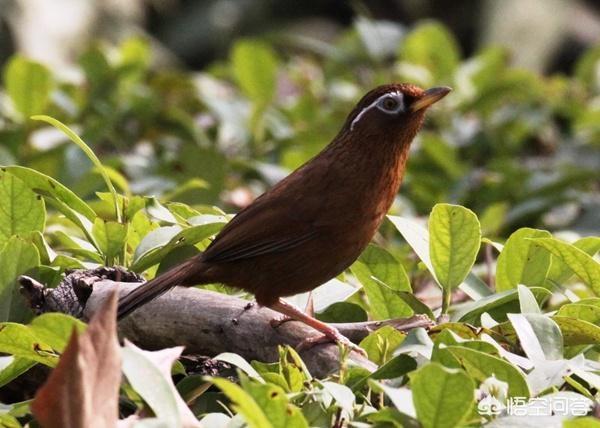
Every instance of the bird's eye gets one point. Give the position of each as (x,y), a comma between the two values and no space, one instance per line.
(389,104)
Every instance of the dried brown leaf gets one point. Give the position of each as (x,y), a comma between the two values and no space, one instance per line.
(83,389)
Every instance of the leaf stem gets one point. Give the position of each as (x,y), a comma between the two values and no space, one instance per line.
(446,299)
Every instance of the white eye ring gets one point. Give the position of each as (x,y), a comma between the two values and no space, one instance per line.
(398,97)
(390,104)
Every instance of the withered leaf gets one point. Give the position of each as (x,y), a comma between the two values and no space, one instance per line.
(83,389)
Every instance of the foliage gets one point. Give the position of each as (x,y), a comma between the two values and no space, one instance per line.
(518,149)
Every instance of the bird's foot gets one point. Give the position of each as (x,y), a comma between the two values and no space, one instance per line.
(329,337)
(282,319)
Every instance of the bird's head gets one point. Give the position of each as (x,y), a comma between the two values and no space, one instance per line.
(392,112)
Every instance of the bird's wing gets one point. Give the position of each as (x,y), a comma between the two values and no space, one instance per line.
(273,223)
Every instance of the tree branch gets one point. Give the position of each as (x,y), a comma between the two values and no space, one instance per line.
(205,322)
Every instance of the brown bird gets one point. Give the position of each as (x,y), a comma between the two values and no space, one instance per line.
(313,224)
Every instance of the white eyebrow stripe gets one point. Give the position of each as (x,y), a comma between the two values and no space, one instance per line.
(373,104)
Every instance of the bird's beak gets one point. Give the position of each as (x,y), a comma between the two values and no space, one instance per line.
(429,97)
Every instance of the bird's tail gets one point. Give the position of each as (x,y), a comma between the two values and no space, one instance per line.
(179,275)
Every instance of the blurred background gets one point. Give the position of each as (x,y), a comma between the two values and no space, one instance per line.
(211,102)
(544,35)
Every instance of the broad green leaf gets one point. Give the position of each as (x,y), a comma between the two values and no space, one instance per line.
(454,240)
(521,261)
(81,221)
(21,210)
(442,397)
(589,313)
(16,258)
(20,341)
(577,331)
(55,328)
(559,272)
(255,69)
(9,421)
(418,238)
(243,403)
(497,305)
(343,312)
(432,46)
(394,368)
(111,238)
(293,368)
(415,304)
(158,243)
(381,344)
(381,276)
(28,84)
(154,240)
(14,369)
(89,153)
(49,187)
(584,266)
(481,366)
(273,401)
(586,422)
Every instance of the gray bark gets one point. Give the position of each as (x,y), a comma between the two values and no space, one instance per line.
(208,323)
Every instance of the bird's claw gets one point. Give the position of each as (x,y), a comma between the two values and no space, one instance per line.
(277,321)
(309,342)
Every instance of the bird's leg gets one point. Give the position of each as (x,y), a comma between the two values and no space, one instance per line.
(330,334)
(309,310)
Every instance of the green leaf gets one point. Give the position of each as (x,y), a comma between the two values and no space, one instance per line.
(49,187)
(454,240)
(381,276)
(21,210)
(497,305)
(521,261)
(55,329)
(394,368)
(255,69)
(432,46)
(584,266)
(381,344)
(418,238)
(586,422)
(274,403)
(16,258)
(111,238)
(28,84)
(14,369)
(158,243)
(89,153)
(577,332)
(243,403)
(589,313)
(342,312)
(559,272)
(20,341)
(442,397)
(481,366)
